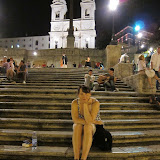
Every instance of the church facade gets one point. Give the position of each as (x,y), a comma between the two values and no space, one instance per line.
(84,27)
(84,30)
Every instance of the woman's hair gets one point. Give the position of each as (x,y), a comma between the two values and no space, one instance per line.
(141,57)
(84,89)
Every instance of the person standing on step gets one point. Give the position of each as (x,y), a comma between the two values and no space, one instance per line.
(22,71)
(155,64)
(65,61)
(85,115)
(89,79)
(87,62)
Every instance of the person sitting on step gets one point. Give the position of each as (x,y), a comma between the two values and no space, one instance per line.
(155,99)
(89,79)
(110,81)
(22,71)
(85,115)
(142,69)
(10,71)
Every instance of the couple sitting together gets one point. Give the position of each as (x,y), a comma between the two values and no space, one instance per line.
(107,81)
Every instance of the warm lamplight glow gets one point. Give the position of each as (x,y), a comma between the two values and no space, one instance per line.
(35,53)
(113,4)
(151,49)
(139,35)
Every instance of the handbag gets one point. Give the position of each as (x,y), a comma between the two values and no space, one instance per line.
(102,139)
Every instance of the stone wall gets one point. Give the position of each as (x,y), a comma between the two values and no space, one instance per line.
(17,54)
(53,56)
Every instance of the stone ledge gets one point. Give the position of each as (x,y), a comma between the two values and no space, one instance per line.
(65,153)
(139,83)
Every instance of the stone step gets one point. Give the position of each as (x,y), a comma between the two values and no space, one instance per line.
(123,91)
(60,105)
(117,125)
(68,99)
(66,114)
(10,152)
(53,86)
(64,138)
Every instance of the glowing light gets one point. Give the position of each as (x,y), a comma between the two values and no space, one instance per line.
(35,53)
(151,49)
(137,28)
(11,46)
(142,46)
(139,25)
(87,39)
(113,5)
(139,35)
(18,46)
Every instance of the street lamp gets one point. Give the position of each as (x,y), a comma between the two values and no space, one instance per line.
(35,53)
(137,28)
(139,35)
(113,6)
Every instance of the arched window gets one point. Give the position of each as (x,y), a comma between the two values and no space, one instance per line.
(87,13)
(56,44)
(58,15)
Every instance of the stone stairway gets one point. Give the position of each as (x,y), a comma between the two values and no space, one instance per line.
(43,105)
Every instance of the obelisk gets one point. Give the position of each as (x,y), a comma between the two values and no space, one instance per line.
(70,37)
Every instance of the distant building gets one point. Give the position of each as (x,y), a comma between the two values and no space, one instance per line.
(84,30)
(28,43)
(130,39)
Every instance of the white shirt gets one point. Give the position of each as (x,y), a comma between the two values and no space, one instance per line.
(89,79)
(122,59)
(155,59)
(141,65)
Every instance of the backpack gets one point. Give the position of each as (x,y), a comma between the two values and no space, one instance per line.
(102,139)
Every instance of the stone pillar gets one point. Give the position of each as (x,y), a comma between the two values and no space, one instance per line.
(113,54)
(122,70)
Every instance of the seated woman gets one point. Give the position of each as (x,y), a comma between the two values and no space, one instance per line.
(142,69)
(85,115)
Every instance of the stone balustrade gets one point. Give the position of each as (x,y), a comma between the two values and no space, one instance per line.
(138,82)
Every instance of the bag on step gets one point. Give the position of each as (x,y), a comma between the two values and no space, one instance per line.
(102,139)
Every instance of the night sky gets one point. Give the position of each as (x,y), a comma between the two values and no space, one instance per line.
(32,17)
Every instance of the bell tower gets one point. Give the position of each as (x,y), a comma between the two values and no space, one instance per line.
(59,9)
(88,8)
(88,32)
